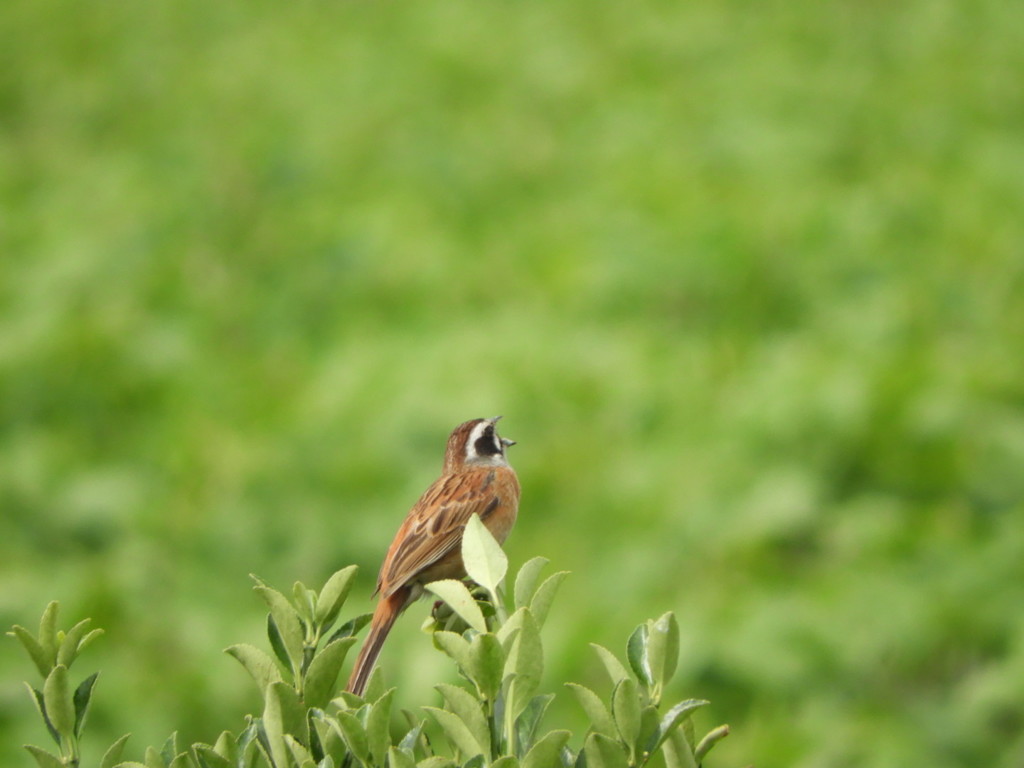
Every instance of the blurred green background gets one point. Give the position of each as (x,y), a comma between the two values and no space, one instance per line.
(746,280)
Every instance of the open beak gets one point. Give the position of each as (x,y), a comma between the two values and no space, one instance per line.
(504,441)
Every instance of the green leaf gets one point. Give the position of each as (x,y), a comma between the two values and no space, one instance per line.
(611,664)
(43,758)
(713,737)
(506,761)
(37,698)
(528,722)
(81,698)
(226,746)
(257,663)
(75,641)
(526,662)
(113,753)
(399,759)
(352,627)
(86,641)
(322,675)
(171,749)
(636,654)
(485,562)
(302,602)
(208,757)
(353,734)
(545,753)
(436,761)
(678,752)
(375,687)
(647,739)
(332,597)
(508,630)
(459,599)
(598,714)
(603,752)
(57,697)
(663,648)
(289,628)
(456,647)
(470,711)
(673,719)
(545,595)
(153,758)
(329,737)
(486,664)
(458,733)
(526,581)
(283,714)
(626,713)
(33,648)
(378,727)
(298,751)
(48,632)
(411,740)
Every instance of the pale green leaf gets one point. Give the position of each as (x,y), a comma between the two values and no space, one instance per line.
(287,623)
(74,641)
(332,597)
(435,761)
(529,720)
(43,758)
(113,753)
(458,733)
(636,654)
(470,711)
(459,599)
(526,581)
(486,664)
(257,663)
(595,709)
(378,727)
(545,596)
(298,752)
(545,753)
(713,736)
(322,675)
(57,697)
(399,759)
(616,671)
(626,712)
(208,757)
(33,648)
(603,752)
(484,560)
(663,648)
(48,632)
(678,752)
(353,734)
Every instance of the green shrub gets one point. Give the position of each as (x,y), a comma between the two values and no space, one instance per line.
(494,720)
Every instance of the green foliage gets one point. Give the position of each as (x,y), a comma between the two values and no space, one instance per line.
(745,278)
(492,722)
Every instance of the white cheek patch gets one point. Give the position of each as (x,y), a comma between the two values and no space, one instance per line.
(476,434)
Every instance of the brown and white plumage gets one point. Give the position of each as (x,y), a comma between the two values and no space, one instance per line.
(476,479)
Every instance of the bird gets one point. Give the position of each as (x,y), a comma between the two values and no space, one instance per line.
(476,478)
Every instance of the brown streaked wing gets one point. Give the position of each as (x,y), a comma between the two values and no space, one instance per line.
(434,524)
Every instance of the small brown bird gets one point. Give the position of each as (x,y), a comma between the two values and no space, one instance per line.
(476,479)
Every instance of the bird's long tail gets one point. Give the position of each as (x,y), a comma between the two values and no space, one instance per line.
(384,616)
